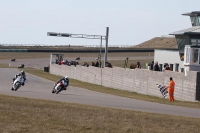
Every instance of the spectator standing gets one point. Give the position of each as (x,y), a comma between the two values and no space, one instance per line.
(164,67)
(156,67)
(138,65)
(151,66)
(171,89)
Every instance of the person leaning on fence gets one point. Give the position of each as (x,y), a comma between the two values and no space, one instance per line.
(138,65)
(167,68)
(164,67)
(156,67)
(171,89)
(108,64)
(151,66)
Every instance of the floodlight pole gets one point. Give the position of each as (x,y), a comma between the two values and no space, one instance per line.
(87,37)
(100,53)
(106,46)
(100,60)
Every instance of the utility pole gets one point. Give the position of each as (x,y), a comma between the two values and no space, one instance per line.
(106,46)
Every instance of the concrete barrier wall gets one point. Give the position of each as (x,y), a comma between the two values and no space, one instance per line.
(143,81)
(91,75)
(117,78)
(107,77)
(198,87)
(154,78)
(128,81)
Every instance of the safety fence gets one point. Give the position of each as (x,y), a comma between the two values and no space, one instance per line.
(13,50)
(134,80)
(64,45)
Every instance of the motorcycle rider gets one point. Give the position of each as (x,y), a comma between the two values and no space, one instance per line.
(22,73)
(64,81)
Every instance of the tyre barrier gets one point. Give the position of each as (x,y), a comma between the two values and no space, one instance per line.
(46,69)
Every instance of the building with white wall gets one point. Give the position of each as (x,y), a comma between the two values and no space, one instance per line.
(187,57)
(170,57)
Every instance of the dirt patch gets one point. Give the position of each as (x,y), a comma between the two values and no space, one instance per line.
(158,42)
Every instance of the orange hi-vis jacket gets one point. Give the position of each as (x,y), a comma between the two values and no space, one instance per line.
(171,86)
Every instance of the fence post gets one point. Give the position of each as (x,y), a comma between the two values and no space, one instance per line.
(74,72)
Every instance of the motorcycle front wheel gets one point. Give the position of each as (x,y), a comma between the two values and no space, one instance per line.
(58,89)
(16,86)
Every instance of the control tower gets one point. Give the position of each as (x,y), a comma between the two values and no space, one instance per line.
(187,56)
(190,36)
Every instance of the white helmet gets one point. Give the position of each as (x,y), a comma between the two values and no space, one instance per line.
(22,72)
(66,77)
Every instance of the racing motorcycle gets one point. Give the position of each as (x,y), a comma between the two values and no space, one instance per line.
(17,83)
(58,87)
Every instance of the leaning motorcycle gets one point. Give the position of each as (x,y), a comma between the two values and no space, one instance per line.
(58,87)
(17,83)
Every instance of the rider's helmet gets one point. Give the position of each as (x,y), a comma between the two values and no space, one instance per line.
(66,77)
(22,72)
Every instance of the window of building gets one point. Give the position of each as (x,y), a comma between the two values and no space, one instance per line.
(195,42)
(195,55)
(199,20)
(181,57)
(195,20)
(192,18)
(181,43)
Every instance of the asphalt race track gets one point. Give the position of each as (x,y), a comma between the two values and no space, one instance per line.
(42,62)
(36,63)
(39,88)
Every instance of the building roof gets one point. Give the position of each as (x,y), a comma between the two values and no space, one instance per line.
(189,31)
(194,13)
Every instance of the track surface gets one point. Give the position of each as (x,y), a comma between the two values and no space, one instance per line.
(42,62)
(39,88)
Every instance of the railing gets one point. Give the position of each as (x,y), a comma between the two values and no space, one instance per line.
(45,45)
(168,36)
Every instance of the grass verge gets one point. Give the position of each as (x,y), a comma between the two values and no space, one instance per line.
(22,115)
(5,66)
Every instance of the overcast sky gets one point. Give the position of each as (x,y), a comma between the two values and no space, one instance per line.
(130,22)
